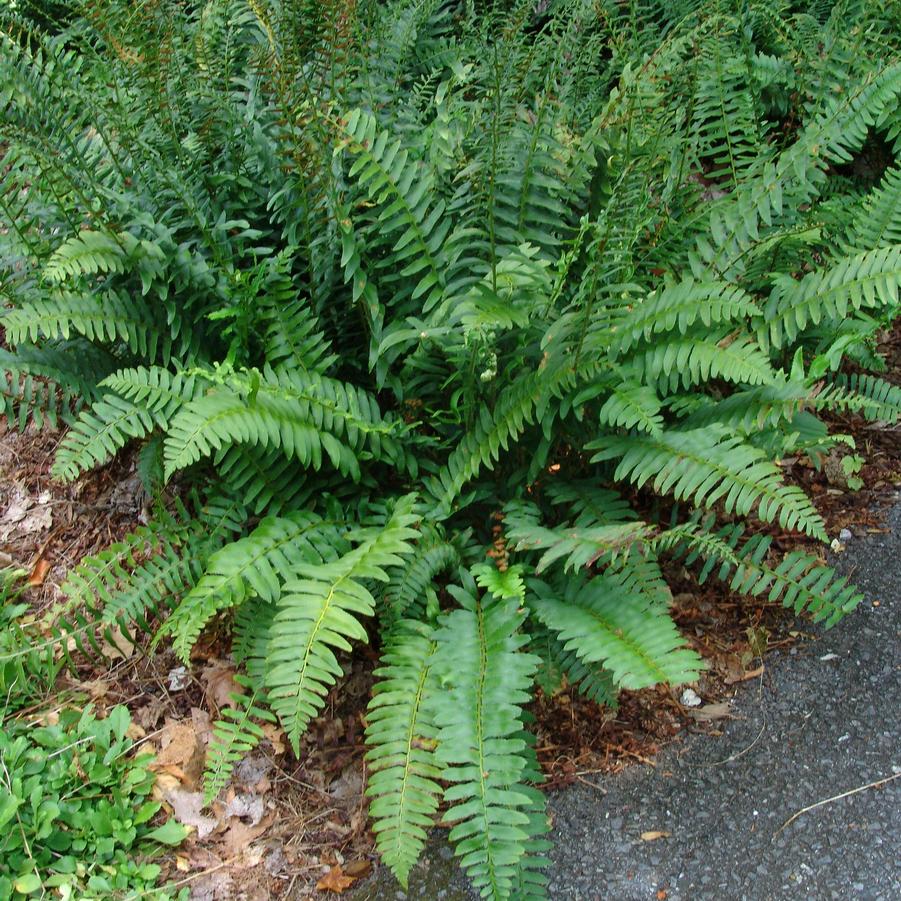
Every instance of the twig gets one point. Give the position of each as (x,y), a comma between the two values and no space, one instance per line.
(852,791)
(590,784)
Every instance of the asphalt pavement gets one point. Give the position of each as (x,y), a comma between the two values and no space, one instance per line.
(822,721)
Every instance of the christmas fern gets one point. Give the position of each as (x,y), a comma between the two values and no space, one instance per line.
(374,289)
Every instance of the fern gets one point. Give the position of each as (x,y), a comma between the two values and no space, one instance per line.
(234,735)
(318,611)
(510,259)
(707,466)
(401,735)
(870,279)
(304,415)
(487,677)
(799,580)
(601,623)
(257,565)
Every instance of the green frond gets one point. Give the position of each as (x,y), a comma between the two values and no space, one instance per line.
(486,678)
(292,337)
(235,735)
(318,610)
(304,414)
(88,253)
(24,399)
(681,306)
(106,318)
(401,737)
(149,398)
(578,546)
(600,622)
(877,223)
(708,466)
(406,591)
(752,409)
(589,503)
(252,567)
(268,482)
(799,580)
(132,582)
(693,361)
(870,279)
(502,584)
(633,406)
(591,680)
(401,189)
(875,398)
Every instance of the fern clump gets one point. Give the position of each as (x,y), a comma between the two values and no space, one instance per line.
(379,288)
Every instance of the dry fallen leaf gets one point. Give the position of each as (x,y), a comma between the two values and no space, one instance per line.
(358,868)
(276,737)
(221,685)
(39,572)
(711,712)
(653,835)
(186,808)
(180,749)
(164,783)
(335,881)
(240,834)
(744,676)
(118,644)
(662,894)
(177,744)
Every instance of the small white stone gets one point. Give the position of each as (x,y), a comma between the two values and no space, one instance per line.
(845,535)
(690,698)
(178,678)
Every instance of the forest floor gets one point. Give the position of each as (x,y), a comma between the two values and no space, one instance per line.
(286,825)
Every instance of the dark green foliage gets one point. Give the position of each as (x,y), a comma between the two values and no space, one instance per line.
(392,284)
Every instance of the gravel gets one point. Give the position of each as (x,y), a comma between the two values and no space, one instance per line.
(823,720)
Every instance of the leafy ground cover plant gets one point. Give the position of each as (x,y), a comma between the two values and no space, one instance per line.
(75,806)
(384,286)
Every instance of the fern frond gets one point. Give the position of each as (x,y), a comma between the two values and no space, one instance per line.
(494,431)
(877,223)
(680,306)
(401,737)
(268,482)
(402,189)
(693,360)
(149,398)
(487,678)
(708,466)
(88,253)
(255,566)
(581,546)
(132,582)
(235,734)
(318,610)
(405,593)
(870,279)
(106,318)
(799,580)
(875,398)
(600,622)
(633,406)
(303,414)
(753,409)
